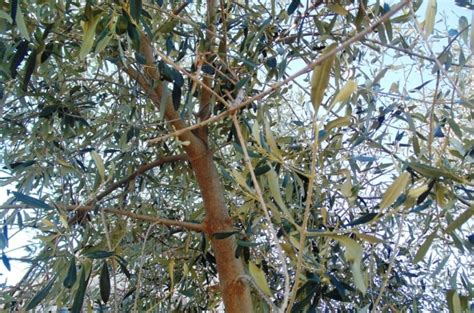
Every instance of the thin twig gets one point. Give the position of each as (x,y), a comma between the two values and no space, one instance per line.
(431,130)
(109,245)
(140,269)
(418,28)
(265,210)
(163,221)
(390,265)
(307,210)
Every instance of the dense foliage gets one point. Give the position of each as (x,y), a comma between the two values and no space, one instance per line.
(342,135)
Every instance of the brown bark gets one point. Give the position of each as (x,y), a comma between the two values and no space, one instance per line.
(235,290)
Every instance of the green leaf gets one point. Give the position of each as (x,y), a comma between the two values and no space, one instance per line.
(433,172)
(420,254)
(136,10)
(395,189)
(454,302)
(363,219)
(274,185)
(262,169)
(80,293)
(320,78)
(123,266)
(6,261)
(353,255)
(99,163)
(20,23)
(460,220)
(99,254)
(88,34)
(259,277)
(430,16)
(223,235)
(104,283)
(71,276)
(247,244)
(463,26)
(4,15)
(345,93)
(41,295)
(293,6)
(35,203)
(29,69)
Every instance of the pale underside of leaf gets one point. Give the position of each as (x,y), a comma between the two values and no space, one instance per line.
(395,189)
(259,277)
(320,78)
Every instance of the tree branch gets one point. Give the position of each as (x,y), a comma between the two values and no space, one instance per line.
(358,36)
(142,169)
(163,221)
(195,146)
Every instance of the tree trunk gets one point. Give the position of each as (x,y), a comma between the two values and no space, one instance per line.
(235,291)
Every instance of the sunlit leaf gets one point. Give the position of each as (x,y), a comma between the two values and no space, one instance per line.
(430,16)
(346,92)
(259,277)
(353,255)
(395,189)
(99,163)
(320,78)
(88,28)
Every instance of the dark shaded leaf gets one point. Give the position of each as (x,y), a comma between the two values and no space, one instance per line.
(363,219)
(438,132)
(224,235)
(41,295)
(13,9)
(129,293)
(5,234)
(6,261)
(262,169)
(24,164)
(47,111)
(80,293)
(422,207)
(36,203)
(247,244)
(470,238)
(99,254)
(104,283)
(271,62)
(176,96)
(29,69)
(293,6)
(71,274)
(123,266)
(21,51)
(136,10)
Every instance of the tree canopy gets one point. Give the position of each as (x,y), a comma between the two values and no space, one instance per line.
(283,156)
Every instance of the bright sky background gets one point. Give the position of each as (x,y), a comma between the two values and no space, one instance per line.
(447,15)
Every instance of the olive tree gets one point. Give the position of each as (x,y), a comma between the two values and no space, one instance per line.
(248,155)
